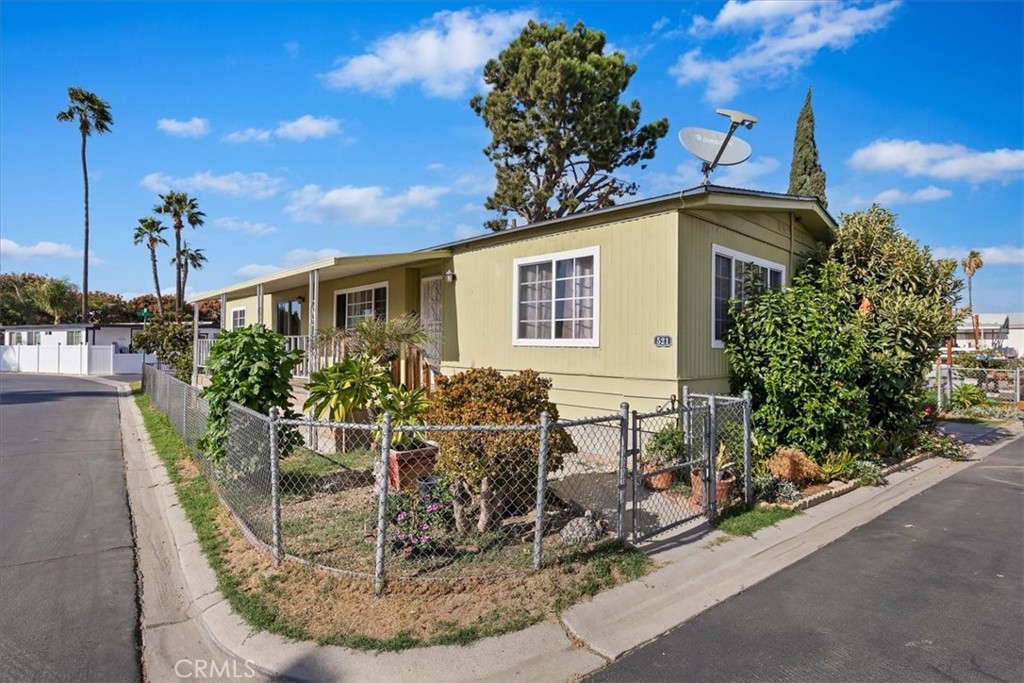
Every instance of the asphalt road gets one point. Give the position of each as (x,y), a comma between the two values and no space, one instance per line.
(932,590)
(68,595)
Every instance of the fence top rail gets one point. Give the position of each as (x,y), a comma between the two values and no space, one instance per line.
(719,398)
(238,407)
(679,410)
(561,424)
(409,429)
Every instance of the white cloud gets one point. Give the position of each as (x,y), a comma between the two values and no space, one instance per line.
(926,194)
(444,54)
(358,204)
(1005,255)
(236,224)
(193,128)
(660,24)
(292,48)
(254,270)
(252,185)
(436,166)
(11,249)
(937,160)
(307,127)
(789,35)
(750,175)
(298,257)
(248,135)
(463,231)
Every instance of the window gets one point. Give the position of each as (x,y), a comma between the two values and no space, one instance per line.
(74,337)
(289,317)
(237,318)
(733,276)
(556,299)
(33,338)
(17,339)
(353,305)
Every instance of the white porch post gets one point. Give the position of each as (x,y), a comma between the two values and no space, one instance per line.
(195,344)
(314,305)
(223,311)
(259,304)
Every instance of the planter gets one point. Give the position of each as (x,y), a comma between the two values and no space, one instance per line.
(407,466)
(723,487)
(658,482)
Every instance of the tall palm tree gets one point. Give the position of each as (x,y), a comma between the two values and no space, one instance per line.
(150,231)
(190,259)
(92,114)
(182,209)
(972,263)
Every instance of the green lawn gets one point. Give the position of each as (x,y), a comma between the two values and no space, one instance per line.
(740,521)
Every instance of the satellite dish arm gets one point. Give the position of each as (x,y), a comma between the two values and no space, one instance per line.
(708,168)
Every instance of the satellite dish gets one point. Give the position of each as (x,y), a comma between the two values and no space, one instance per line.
(705,143)
(713,147)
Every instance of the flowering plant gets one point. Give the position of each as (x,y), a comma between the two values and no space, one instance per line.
(417,521)
(946,445)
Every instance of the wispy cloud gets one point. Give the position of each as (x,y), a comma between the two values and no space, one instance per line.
(307,127)
(248,135)
(359,204)
(193,128)
(254,270)
(925,194)
(252,185)
(295,257)
(464,231)
(788,36)
(292,48)
(443,54)
(1004,255)
(660,24)
(751,175)
(9,249)
(944,161)
(235,224)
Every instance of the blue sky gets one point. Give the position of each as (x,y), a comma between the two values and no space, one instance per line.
(311,130)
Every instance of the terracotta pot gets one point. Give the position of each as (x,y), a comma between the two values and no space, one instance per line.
(658,482)
(405,467)
(723,487)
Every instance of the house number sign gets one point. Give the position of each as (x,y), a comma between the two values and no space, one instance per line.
(663,340)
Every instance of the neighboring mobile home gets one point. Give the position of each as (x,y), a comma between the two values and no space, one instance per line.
(627,303)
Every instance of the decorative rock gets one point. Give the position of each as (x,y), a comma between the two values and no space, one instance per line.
(580,530)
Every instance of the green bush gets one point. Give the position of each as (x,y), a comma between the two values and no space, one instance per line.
(172,344)
(486,468)
(337,391)
(253,367)
(667,446)
(967,395)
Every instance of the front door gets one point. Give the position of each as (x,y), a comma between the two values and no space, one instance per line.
(430,318)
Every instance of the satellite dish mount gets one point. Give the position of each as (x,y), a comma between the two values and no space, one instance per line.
(713,148)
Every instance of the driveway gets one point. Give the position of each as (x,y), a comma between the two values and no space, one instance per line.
(932,590)
(68,597)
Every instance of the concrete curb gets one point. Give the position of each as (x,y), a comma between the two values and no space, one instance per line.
(697,573)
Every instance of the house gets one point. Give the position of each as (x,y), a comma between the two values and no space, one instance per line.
(627,303)
(1002,332)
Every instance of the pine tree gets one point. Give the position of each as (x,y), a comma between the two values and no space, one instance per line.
(806,176)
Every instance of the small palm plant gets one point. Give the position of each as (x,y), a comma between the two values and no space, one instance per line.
(406,407)
(338,391)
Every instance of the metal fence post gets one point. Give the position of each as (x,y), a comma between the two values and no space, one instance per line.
(1016,386)
(938,389)
(748,489)
(542,487)
(687,421)
(620,522)
(711,473)
(382,504)
(636,475)
(275,488)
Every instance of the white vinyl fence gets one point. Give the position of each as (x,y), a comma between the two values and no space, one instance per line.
(71,360)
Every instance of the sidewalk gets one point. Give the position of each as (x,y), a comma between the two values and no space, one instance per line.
(696,572)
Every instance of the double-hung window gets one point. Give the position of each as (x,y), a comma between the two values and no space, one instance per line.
(733,276)
(33,338)
(556,299)
(74,337)
(354,305)
(237,318)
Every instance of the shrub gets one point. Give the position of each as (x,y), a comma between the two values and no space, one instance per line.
(838,466)
(945,445)
(793,465)
(487,468)
(253,367)
(668,445)
(771,489)
(172,344)
(966,396)
(406,407)
(337,391)
(867,473)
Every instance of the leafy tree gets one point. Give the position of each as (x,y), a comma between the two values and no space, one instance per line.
(559,132)
(171,342)
(190,258)
(972,263)
(92,114)
(16,304)
(149,231)
(105,307)
(182,209)
(806,176)
(253,368)
(55,298)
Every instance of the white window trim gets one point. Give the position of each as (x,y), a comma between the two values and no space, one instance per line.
(362,288)
(244,316)
(595,341)
(718,250)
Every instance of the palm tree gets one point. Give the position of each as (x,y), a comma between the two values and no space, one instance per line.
(150,231)
(972,263)
(92,114)
(55,298)
(190,259)
(182,209)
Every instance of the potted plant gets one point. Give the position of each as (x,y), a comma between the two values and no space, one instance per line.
(411,457)
(345,391)
(725,467)
(665,447)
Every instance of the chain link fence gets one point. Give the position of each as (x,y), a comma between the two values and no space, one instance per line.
(961,387)
(445,502)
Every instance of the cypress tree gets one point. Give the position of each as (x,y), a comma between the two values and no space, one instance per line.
(806,176)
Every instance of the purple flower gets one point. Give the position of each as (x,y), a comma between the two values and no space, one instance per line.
(401,516)
(433,507)
(425,526)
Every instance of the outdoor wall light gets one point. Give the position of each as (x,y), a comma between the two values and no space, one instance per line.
(449,275)
(301,299)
